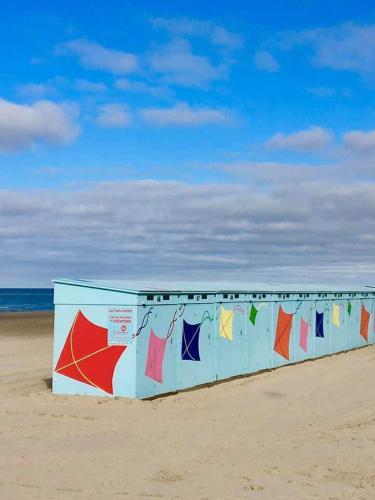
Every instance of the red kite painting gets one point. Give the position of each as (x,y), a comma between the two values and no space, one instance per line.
(284,325)
(86,355)
(365,318)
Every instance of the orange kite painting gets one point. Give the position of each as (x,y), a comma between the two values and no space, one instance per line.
(283,328)
(86,355)
(365,318)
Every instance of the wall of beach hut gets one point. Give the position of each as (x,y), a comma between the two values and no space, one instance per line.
(113,342)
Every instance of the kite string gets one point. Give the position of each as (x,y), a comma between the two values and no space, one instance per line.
(239,308)
(146,317)
(299,305)
(144,322)
(206,316)
(310,313)
(180,312)
(326,307)
(259,304)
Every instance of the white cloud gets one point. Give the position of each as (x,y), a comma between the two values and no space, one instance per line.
(265,61)
(23,126)
(141,87)
(35,90)
(349,47)
(94,56)
(360,141)
(216,34)
(225,38)
(184,115)
(178,64)
(36,60)
(113,115)
(314,139)
(89,86)
(322,91)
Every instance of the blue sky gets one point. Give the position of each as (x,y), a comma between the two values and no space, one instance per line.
(187,139)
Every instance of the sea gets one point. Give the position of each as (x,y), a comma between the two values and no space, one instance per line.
(26,299)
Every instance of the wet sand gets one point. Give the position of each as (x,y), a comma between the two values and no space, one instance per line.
(299,432)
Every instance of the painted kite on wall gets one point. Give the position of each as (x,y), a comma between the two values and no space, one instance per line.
(319,324)
(226,323)
(336,315)
(156,349)
(365,318)
(190,342)
(303,334)
(349,309)
(155,357)
(283,329)
(86,355)
(190,338)
(253,314)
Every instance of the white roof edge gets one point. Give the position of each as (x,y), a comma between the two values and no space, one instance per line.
(141,287)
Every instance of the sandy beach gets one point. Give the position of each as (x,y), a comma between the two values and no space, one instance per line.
(299,432)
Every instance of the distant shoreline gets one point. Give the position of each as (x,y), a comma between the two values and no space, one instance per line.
(26,300)
(24,314)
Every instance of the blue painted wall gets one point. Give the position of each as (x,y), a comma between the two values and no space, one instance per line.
(251,349)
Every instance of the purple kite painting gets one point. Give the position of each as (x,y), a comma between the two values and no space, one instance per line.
(319,325)
(190,342)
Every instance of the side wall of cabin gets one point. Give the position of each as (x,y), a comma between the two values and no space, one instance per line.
(183,341)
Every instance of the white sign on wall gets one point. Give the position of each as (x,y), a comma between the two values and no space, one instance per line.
(120,325)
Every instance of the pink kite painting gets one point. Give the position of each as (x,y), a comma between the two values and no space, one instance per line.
(283,328)
(155,357)
(365,318)
(156,348)
(86,355)
(303,334)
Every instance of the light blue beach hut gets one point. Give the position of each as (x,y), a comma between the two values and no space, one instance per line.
(140,340)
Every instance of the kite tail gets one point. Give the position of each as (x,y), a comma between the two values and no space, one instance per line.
(299,305)
(206,316)
(239,309)
(177,314)
(326,308)
(310,315)
(144,322)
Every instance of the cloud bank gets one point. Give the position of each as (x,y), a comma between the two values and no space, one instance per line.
(314,229)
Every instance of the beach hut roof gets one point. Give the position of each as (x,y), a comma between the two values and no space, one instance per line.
(173,287)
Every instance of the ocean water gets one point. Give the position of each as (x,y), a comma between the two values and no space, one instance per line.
(26,299)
